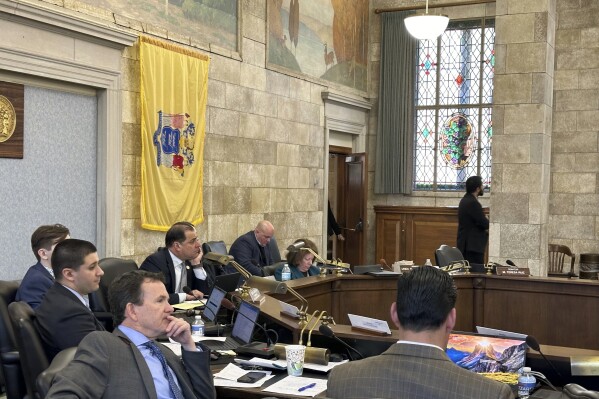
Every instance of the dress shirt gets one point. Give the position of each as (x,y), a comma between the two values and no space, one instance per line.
(163,390)
(420,343)
(181,276)
(83,298)
(49,269)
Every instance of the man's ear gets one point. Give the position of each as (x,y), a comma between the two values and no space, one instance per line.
(394,317)
(450,321)
(130,312)
(42,253)
(68,274)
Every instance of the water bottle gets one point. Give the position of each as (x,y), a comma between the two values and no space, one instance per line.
(526,383)
(428,263)
(286,273)
(197,328)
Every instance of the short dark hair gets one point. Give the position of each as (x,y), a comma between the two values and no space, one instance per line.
(176,233)
(473,183)
(425,296)
(295,256)
(125,289)
(47,235)
(71,254)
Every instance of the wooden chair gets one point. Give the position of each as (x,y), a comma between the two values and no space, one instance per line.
(557,255)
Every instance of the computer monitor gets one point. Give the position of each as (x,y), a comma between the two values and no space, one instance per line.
(213,304)
(243,329)
(494,357)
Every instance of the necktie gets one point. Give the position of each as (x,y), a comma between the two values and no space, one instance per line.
(157,353)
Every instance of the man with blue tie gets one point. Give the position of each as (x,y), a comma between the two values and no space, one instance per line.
(40,277)
(128,363)
(66,315)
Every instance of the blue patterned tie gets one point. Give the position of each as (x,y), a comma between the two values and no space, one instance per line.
(157,353)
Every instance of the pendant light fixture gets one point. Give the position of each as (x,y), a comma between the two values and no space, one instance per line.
(426,26)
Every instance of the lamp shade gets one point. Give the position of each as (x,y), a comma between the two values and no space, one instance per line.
(426,26)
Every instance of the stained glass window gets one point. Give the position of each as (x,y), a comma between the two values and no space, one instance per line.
(454,94)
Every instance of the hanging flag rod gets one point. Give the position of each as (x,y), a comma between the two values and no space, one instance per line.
(421,7)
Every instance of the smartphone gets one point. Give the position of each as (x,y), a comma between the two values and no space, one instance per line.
(251,377)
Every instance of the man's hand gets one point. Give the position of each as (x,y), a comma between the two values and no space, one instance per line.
(340,237)
(197,261)
(180,331)
(195,294)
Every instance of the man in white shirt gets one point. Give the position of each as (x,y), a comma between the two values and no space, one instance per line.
(416,366)
(180,262)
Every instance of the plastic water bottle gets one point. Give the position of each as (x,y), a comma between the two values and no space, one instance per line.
(286,273)
(526,383)
(428,263)
(197,328)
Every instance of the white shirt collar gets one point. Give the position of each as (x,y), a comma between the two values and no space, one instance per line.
(176,261)
(419,343)
(83,298)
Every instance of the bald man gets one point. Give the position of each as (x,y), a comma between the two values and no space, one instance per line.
(252,250)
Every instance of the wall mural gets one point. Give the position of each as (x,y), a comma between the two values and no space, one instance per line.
(206,21)
(327,39)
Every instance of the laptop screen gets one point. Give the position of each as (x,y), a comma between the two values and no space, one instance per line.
(494,357)
(213,304)
(243,328)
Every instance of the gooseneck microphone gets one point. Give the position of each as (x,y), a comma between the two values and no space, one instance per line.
(512,264)
(534,345)
(327,332)
(188,291)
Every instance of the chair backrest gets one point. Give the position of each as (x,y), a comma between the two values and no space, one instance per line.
(270,269)
(445,254)
(31,350)
(217,247)
(556,259)
(60,361)
(112,267)
(575,391)
(9,355)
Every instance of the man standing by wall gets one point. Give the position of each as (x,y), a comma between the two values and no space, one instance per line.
(473,225)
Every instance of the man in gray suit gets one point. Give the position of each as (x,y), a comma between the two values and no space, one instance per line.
(128,363)
(416,366)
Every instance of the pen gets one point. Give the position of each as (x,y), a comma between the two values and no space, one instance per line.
(307,387)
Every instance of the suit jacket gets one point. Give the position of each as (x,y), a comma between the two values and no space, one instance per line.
(248,254)
(162,262)
(34,285)
(108,365)
(408,371)
(473,225)
(63,320)
(295,272)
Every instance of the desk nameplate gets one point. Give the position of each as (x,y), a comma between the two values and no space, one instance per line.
(512,271)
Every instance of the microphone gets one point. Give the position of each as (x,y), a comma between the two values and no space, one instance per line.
(534,345)
(512,264)
(188,291)
(327,332)
(384,263)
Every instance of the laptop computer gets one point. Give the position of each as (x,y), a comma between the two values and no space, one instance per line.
(213,304)
(228,282)
(500,333)
(498,358)
(243,329)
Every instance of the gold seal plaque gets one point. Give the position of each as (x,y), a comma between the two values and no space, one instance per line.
(8,119)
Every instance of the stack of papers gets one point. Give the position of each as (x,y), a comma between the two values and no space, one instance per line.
(228,376)
(190,304)
(282,364)
(298,386)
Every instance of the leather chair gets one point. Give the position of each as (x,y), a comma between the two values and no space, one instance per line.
(31,350)
(218,247)
(556,260)
(575,391)
(60,361)
(445,255)
(9,355)
(112,267)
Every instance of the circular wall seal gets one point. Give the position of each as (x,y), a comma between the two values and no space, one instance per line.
(8,119)
(457,141)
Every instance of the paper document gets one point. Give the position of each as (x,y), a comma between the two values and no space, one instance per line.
(299,386)
(228,376)
(282,364)
(289,309)
(366,323)
(190,304)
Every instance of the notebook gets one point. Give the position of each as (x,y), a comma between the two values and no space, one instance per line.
(213,304)
(498,358)
(228,282)
(243,329)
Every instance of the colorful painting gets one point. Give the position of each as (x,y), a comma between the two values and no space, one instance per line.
(326,39)
(206,21)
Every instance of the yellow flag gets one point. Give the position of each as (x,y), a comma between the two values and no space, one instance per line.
(174,93)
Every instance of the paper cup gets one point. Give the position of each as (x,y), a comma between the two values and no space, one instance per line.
(295,359)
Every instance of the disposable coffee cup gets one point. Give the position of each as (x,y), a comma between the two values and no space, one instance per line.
(295,359)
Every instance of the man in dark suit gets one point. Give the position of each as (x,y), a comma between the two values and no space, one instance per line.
(473,225)
(65,315)
(128,363)
(252,250)
(416,366)
(40,277)
(181,264)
